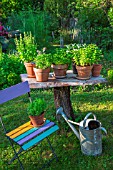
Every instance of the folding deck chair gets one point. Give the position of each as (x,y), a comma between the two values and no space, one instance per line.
(26,136)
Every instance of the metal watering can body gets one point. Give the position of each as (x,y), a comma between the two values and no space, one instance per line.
(90,133)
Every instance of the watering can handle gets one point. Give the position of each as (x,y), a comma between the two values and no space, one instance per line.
(105,131)
(86,117)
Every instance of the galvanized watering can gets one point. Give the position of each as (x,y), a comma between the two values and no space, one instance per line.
(89,134)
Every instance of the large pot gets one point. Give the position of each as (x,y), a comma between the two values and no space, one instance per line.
(84,72)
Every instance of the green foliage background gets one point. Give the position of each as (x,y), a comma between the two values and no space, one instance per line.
(10,69)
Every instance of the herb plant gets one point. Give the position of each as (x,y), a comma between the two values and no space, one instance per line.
(43,61)
(61,56)
(87,55)
(36,107)
(26,47)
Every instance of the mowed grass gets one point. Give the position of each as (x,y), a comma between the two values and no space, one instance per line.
(67,147)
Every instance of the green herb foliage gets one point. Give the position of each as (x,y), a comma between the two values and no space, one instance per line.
(61,56)
(87,55)
(26,47)
(43,61)
(36,107)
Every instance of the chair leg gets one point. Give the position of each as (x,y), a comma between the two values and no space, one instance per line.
(55,156)
(16,155)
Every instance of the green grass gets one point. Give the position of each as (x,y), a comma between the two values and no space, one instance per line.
(96,100)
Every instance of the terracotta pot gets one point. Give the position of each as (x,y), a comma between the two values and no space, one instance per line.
(84,71)
(59,70)
(96,70)
(29,68)
(37,120)
(42,74)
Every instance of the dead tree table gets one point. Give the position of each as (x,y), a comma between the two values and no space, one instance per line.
(62,88)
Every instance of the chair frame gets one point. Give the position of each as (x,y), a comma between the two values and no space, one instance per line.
(14,92)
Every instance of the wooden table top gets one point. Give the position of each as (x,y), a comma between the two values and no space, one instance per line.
(70,80)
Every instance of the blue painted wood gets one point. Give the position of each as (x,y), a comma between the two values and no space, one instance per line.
(14,91)
(35,133)
(40,137)
(28,132)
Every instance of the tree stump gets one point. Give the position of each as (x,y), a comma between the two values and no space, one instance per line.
(62,99)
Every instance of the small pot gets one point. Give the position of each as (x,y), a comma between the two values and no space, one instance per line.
(96,70)
(29,68)
(37,120)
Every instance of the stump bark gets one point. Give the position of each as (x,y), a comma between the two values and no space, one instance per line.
(62,99)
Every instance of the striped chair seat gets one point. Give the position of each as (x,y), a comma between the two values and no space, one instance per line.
(27,136)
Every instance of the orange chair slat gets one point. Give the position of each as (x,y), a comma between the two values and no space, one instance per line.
(21,132)
(18,129)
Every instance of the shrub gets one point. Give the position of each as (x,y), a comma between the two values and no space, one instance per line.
(10,70)
(110,76)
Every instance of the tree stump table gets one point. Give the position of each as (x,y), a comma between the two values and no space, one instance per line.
(62,88)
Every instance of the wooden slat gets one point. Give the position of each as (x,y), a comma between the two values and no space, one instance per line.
(18,129)
(35,133)
(21,132)
(28,132)
(40,137)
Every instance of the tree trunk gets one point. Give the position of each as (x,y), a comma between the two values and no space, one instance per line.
(62,99)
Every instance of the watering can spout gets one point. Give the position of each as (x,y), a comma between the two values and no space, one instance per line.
(60,111)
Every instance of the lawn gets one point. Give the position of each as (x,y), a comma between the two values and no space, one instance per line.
(97,99)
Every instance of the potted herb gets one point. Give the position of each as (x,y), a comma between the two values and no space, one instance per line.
(36,111)
(42,67)
(60,62)
(26,48)
(85,57)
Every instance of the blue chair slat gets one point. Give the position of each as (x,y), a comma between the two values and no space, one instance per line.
(40,137)
(28,132)
(14,91)
(35,133)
